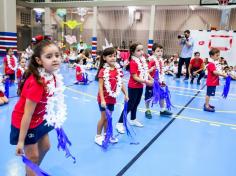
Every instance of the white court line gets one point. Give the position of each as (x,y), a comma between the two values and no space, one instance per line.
(213,124)
(86,100)
(76,98)
(195,121)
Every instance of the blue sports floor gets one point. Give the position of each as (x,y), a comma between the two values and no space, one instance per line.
(193,143)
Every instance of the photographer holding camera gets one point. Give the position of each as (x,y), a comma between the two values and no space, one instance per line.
(187,50)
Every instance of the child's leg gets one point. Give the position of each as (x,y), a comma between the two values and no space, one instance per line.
(101,123)
(132,98)
(1,101)
(4,99)
(207,100)
(32,153)
(138,97)
(162,105)
(43,147)
(163,111)
(148,96)
(147,104)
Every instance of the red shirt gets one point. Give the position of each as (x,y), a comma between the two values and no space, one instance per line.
(113,82)
(19,73)
(151,64)
(80,76)
(134,70)
(35,92)
(7,68)
(212,79)
(196,63)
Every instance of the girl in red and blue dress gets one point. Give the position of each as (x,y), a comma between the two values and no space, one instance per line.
(3,98)
(21,69)
(10,65)
(28,130)
(139,77)
(110,85)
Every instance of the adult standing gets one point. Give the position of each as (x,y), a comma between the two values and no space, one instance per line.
(186,43)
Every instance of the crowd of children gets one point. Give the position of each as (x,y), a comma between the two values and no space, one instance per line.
(27,116)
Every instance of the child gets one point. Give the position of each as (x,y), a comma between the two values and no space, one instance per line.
(10,65)
(175,67)
(234,73)
(3,98)
(138,77)
(29,52)
(167,68)
(79,69)
(212,78)
(156,64)
(21,69)
(72,57)
(110,84)
(28,130)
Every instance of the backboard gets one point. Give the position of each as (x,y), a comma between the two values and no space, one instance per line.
(214,2)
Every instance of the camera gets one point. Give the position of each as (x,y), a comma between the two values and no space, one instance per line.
(181,36)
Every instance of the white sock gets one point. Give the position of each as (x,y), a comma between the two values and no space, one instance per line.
(163,109)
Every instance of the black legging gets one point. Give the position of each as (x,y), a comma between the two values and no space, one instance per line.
(135,95)
(181,63)
(201,73)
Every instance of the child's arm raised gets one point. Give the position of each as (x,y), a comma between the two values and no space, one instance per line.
(25,122)
(101,94)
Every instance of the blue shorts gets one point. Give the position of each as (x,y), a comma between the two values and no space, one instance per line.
(110,107)
(211,90)
(148,93)
(11,77)
(32,136)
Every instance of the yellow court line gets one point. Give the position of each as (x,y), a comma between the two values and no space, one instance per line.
(196,119)
(156,112)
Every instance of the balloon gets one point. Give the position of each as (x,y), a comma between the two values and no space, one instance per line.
(72,24)
(70,39)
(61,12)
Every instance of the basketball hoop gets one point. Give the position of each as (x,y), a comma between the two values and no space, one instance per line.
(223,4)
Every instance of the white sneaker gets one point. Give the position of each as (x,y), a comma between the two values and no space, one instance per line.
(120,128)
(99,139)
(113,140)
(136,123)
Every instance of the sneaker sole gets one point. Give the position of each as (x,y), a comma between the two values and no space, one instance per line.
(121,132)
(137,126)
